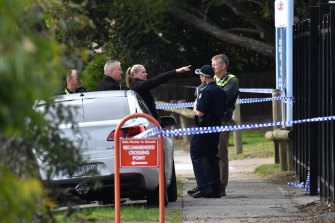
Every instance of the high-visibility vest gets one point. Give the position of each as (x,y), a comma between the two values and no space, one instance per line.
(222,83)
(66,91)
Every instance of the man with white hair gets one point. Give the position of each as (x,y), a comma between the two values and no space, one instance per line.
(113,74)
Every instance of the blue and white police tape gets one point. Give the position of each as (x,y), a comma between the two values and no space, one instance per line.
(238,101)
(247,90)
(215,129)
(303,184)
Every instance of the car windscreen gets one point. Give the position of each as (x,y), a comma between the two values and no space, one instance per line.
(109,108)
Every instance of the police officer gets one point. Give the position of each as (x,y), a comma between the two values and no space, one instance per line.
(229,84)
(208,109)
(73,84)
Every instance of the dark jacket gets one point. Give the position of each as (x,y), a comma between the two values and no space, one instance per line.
(143,88)
(106,84)
(211,102)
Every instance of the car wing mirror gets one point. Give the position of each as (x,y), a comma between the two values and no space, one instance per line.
(167,121)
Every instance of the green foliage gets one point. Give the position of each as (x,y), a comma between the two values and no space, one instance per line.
(28,66)
(146,32)
(19,198)
(94,71)
(69,26)
(267,169)
(254,145)
(31,61)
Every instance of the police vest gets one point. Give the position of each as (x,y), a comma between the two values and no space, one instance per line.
(222,83)
(66,91)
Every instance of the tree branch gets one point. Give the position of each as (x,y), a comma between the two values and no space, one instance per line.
(256,21)
(253,44)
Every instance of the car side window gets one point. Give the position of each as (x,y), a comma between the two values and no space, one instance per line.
(142,105)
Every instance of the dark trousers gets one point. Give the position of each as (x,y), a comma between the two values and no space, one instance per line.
(204,150)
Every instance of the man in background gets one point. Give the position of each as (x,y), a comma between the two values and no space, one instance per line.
(73,84)
(113,75)
(229,83)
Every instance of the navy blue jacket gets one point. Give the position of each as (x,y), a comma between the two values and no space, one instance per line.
(212,102)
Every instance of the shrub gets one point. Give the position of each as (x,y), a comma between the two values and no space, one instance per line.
(94,72)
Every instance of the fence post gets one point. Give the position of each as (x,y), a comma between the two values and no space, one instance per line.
(276,116)
(282,155)
(289,149)
(237,133)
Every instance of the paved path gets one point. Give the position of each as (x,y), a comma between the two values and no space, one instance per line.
(249,198)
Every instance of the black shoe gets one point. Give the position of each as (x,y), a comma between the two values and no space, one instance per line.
(212,195)
(198,194)
(193,191)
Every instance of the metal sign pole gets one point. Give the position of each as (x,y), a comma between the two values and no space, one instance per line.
(284,21)
(117,166)
(283,76)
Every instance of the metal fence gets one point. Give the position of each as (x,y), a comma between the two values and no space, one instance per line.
(314,67)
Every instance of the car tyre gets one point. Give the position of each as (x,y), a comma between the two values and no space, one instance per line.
(153,197)
(172,190)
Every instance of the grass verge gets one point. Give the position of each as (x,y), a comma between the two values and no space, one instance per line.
(129,213)
(267,169)
(254,145)
(135,213)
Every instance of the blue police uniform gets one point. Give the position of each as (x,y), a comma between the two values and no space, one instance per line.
(211,102)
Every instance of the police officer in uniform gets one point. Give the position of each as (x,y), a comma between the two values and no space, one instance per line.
(73,84)
(208,109)
(229,83)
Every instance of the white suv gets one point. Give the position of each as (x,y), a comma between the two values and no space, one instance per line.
(97,115)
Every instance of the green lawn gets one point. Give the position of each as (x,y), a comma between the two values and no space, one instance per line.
(135,213)
(267,169)
(130,213)
(254,145)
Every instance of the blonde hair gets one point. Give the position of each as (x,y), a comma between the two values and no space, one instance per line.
(130,73)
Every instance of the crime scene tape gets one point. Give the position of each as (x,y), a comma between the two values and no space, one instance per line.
(303,184)
(246,90)
(216,129)
(238,101)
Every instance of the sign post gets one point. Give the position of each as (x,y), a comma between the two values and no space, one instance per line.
(284,54)
(142,154)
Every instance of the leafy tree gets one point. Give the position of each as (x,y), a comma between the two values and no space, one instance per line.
(32,59)
(94,71)
(169,33)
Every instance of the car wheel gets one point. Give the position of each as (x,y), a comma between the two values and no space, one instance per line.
(153,197)
(172,190)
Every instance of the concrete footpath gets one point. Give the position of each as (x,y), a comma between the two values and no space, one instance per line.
(249,198)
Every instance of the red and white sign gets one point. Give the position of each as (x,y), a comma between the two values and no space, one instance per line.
(139,152)
(281,13)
